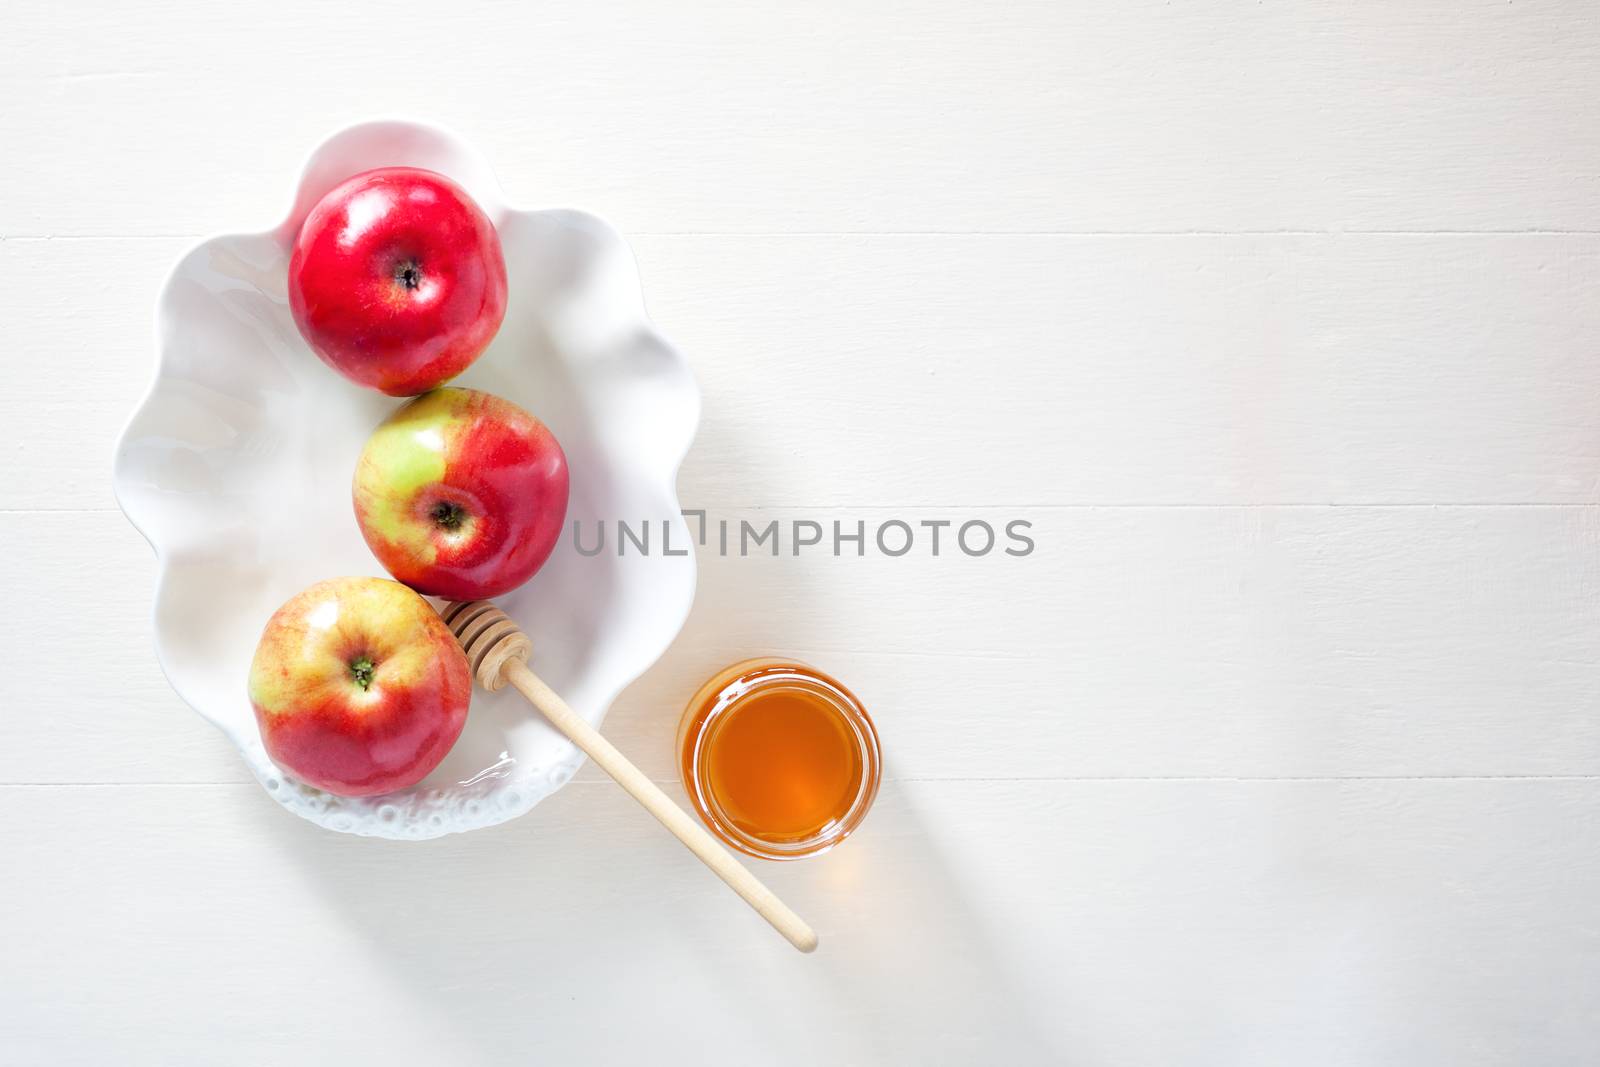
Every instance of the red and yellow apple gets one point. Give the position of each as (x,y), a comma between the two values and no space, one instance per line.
(397,280)
(461,494)
(358,687)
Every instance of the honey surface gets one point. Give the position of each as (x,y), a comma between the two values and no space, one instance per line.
(782,764)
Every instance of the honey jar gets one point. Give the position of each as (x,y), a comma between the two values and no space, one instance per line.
(779,759)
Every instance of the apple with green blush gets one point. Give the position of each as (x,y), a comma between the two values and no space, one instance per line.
(461,494)
(358,687)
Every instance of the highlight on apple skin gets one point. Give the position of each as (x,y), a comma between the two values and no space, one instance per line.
(397,280)
(358,687)
(461,494)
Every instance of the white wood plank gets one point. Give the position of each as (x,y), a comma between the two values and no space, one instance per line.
(87,697)
(1137,370)
(1133,642)
(904,115)
(80,324)
(1429,923)
(962,372)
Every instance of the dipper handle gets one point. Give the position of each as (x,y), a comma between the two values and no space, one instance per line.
(498,652)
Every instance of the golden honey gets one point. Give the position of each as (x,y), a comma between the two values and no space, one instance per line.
(779,759)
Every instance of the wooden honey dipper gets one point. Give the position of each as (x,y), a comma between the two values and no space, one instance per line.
(498,652)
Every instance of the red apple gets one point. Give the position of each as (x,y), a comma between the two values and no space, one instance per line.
(358,687)
(397,280)
(461,494)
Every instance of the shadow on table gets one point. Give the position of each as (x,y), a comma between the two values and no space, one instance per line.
(584,930)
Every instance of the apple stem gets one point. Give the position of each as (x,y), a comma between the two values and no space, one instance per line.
(409,274)
(361,671)
(448,515)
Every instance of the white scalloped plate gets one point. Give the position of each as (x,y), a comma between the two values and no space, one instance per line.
(237,467)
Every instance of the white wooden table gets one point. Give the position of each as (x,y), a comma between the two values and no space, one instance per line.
(1281,325)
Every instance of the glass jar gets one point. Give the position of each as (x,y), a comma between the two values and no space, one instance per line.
(780,760)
